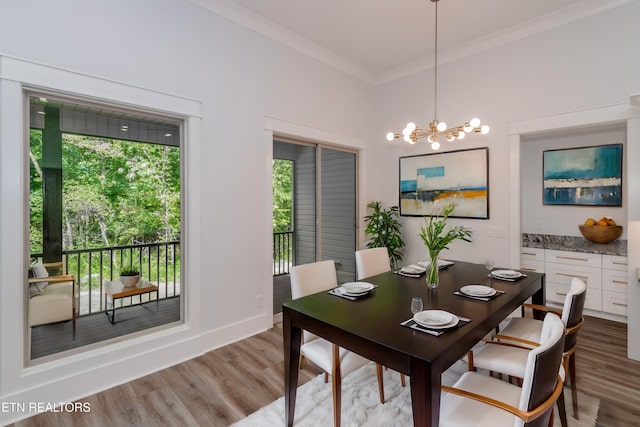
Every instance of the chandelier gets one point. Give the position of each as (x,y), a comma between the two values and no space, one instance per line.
(411,133)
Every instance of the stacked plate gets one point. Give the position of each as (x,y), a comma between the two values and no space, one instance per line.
(506,274)
(436,319)
(356,289)
(412,269)
(478,291)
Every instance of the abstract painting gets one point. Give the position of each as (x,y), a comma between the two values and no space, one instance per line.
(461,177)
(589,176)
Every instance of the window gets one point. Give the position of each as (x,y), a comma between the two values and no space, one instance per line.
(105,192)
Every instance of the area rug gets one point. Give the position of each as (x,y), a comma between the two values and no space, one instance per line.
(361,405)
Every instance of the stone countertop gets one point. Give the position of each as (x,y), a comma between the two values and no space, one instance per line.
(574,244)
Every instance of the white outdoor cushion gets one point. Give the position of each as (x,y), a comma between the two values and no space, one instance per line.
(54,305)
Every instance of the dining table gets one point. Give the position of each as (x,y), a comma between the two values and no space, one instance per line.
(374,327)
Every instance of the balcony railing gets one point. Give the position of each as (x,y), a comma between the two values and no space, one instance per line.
(159,263)
(283,253)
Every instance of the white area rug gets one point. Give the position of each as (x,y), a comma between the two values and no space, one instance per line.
(361,405)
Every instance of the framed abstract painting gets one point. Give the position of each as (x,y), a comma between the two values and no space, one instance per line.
(461,177)
(588,176)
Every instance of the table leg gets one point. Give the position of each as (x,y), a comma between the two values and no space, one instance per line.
(292,338)
(539,298)
(425,393)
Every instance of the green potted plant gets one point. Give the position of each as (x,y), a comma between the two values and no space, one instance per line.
(129,276)
(436,239)
(383,230)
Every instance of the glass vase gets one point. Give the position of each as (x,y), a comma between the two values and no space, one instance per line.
(432,272)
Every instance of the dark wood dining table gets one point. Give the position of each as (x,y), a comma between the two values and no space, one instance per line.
(370,326)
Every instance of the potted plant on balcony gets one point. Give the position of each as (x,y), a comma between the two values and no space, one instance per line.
(129,276)
(383,230)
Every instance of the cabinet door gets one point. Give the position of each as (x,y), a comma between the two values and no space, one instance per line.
(562,273)
(557,292)
(615,281)
(613,302)
(573,258)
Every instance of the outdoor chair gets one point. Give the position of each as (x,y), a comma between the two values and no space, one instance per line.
(51,298)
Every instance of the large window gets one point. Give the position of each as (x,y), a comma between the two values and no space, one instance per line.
(105,189)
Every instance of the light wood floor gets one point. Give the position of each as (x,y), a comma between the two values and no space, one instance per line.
(227,384)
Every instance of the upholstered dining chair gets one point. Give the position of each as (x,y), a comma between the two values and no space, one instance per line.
(508,354)
(51,298)
(308,279)
(481,400)
(372,261)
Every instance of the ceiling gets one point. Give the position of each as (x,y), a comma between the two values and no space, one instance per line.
(381,40)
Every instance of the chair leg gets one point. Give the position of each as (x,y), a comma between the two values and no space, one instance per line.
(326,377)
(380,382)
(574,386)
(470,366)
(336,385)
(402,380)
(562,410)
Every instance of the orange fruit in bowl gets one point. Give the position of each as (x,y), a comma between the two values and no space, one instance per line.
(611,222)
(589,222)
(603,222)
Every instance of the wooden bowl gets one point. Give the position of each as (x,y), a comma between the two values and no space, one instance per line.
(600,233)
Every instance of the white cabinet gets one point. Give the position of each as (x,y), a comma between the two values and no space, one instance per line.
(605,276)
(532,259)
(614,284)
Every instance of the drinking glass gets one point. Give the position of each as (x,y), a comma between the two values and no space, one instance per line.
(489,264)
(416,305)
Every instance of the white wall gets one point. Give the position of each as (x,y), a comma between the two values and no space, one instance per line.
(591,62)
(564,220)
(238,78)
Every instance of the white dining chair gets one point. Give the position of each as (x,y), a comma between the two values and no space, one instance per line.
(480,400)
(507,353)
(308,279)
(372,261)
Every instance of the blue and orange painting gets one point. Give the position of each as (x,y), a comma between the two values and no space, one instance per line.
(458,176)
(590,176)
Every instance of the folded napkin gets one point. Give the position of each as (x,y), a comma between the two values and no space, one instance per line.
(497,294)
(410,323)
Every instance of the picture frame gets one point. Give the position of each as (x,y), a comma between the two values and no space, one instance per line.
(461,177)
(583,176)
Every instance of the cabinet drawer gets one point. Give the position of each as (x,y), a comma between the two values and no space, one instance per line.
(557,292)
(614,281)
(527,265)
(573,258)
(613,302)
(561,273)
(612,262)
(532,254)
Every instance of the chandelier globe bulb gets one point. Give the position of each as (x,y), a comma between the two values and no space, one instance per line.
(442,126)
(475,122)
(435,145)
(390,136)
(484,129)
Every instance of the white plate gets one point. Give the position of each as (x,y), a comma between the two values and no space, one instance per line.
(478,291)
(431,318)
(356,288)
(507,274)
(413,269)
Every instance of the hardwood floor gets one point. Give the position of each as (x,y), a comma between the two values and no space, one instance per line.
(229,383)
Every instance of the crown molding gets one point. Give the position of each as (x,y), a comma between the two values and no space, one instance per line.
(543,23)
(293,40)
(286,37)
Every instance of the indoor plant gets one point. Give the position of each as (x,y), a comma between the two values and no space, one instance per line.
(383,230)
(129,276)
(436,239)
